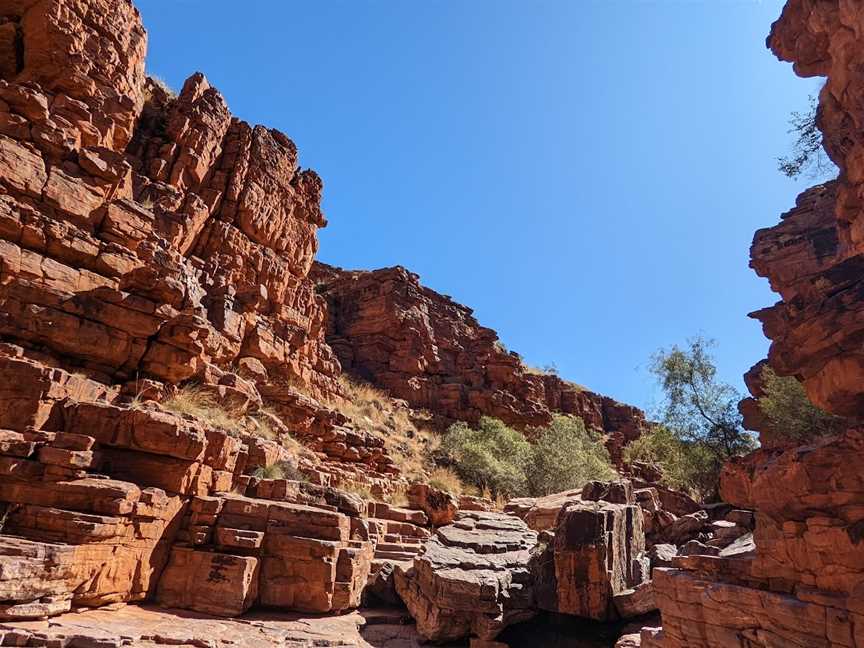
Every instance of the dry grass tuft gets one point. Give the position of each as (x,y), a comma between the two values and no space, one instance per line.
(194,401)
(446,479)
(397,498)
(407,440)
(279,470)
(358,489)
(160,83)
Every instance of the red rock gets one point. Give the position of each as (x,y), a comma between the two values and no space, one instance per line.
(472,579)
(430,351)
(440,507)
(212,583)
(598,554)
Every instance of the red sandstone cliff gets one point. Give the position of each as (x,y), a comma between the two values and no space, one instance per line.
(803,583)
(386,327)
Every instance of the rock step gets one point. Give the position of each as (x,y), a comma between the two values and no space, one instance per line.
(392,546)
(394,555)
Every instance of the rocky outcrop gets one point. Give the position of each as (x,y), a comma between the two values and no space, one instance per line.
(473,578)
(423,347)
(813,257)
(148,240)
(591,561)
(799,579)
(148,235)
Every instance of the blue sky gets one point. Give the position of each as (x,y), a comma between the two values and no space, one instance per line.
(587,175)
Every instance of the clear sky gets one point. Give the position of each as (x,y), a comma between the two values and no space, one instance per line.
(586,174)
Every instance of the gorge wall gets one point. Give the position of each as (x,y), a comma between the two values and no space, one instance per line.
(421,346)
(150,242)
(803,585)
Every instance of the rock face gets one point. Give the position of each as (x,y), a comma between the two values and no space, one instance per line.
(473,578)
(799,581)
(425,348)
(813,257)
(144,234)
(596,557)
(147,240)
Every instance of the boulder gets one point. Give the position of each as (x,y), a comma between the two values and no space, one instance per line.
(473,578)
(439,506)
(598,552)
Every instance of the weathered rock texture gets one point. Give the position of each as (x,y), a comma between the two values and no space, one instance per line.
(473,578)
(153,239)
(813,258)
(425,348)
(802,584)
(594,557)
(147,240)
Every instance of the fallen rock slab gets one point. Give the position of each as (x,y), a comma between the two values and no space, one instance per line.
(473,578)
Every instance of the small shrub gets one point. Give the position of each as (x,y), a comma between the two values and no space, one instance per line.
(493,456)
(791,413)
(279,470)
(447,480)
(564,456)
(688,466)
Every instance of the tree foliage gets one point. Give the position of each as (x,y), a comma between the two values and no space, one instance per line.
(498,458)
(791,413)
(566,456)
(808,154)
(685,466)
(698,407)
(700,410)
(491,456)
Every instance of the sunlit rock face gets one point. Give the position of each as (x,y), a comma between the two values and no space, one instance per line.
(142,233)
(420,345)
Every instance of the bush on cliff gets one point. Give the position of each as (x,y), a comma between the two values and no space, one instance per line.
(499,459)
(791,413)
(698,409)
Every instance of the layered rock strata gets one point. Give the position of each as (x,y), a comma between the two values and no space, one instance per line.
(423,347)
(473,578)
(801,580)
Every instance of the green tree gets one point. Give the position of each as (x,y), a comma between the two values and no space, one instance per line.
(685,466)
(699,409)
(791,413)
(565,456)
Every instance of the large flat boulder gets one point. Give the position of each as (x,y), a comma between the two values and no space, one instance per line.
(473,578)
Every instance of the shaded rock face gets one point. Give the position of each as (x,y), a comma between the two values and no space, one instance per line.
(598,555)
(425,348)
(473,578)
